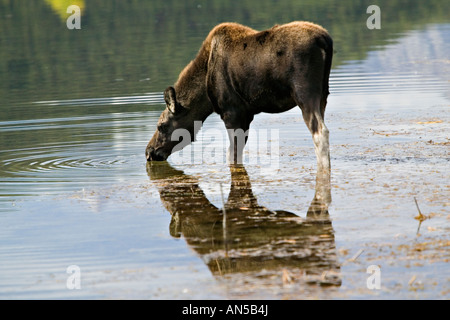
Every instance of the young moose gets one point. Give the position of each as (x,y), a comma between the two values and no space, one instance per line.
(240,72)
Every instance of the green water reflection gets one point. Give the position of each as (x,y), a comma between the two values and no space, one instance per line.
(134,47)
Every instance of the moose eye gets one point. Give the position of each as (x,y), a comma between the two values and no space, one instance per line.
(162,127)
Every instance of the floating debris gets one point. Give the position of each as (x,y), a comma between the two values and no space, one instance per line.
(286,277)
(429,122)
(421,217)
(357,254)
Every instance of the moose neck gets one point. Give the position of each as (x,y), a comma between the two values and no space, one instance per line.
(190,87)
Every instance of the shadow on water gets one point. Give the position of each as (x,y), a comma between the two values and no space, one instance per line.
(247,238)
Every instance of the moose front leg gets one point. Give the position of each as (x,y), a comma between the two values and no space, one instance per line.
(237,128)
(238,138)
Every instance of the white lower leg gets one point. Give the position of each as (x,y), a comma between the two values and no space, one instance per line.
(322,148)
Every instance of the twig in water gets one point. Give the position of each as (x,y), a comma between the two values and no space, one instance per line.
(224,221)
(419,217)
(353,259)
(411,281)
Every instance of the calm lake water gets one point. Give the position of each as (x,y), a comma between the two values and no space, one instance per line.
(79,106)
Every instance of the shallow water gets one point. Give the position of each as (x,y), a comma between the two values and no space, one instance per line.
(75,188)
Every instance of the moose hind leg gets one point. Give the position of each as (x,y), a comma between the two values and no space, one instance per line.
(320,134)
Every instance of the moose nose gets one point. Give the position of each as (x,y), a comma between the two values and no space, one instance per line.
(148,153)
(153,154)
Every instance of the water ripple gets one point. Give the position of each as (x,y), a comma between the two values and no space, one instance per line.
(41,163)
(150,98)
(344,82)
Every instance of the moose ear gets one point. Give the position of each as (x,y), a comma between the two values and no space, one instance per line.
(170,98)
(171,101)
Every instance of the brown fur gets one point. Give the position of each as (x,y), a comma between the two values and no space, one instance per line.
(239,72)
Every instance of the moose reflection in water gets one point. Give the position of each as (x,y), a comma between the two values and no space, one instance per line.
(247,238)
